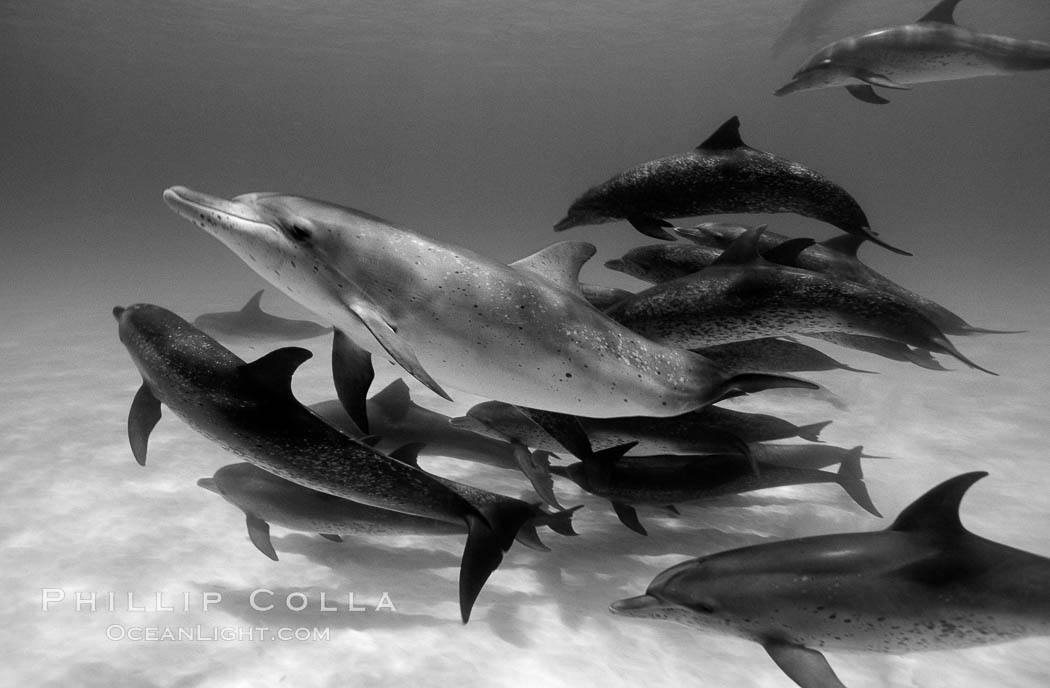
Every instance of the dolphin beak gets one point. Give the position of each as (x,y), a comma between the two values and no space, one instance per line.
(636,606)
(117,312)
(566,222)
(203,209)
(208,484)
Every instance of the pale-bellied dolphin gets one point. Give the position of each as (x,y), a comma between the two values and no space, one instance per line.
(746,297)
(249,409)
(627,481)
(521,333)
(253,323)
(812,456)
(268,499)
(721,175)
(934,48)
(925,583)
(836,257)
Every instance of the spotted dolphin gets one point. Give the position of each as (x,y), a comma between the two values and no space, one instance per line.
(252,323)
(721,175)
(934,48)
(746,297)
(268,499)
(628,481)
(925,583)
(249,409)
(522,333)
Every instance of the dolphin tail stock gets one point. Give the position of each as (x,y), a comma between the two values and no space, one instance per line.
(970,330)
(560,521)
(944,346)
(142,418)
(851,478)
(812,431)
(491,531)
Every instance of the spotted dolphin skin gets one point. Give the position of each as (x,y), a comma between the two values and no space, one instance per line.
(521,333)
(721,175)
(249,409)
(934,48)
(925,583)
(253,323)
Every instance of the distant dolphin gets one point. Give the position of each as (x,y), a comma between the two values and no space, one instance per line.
(628,481)
(249,409)
(267,499)
(521,333)
(925,583)
(251,322)
(745,297)
(836,257)
(934,48)
(808,23)
(721,175)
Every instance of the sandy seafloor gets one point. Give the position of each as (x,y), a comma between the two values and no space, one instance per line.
(80,516)
(477,126)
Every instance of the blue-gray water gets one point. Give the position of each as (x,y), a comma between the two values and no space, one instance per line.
(476,123)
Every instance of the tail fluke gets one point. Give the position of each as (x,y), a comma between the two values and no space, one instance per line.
(491,532)
(851,478)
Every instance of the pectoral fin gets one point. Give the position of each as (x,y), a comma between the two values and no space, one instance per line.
(353,374)
(808,668)
(398,348)
(651,226)
(331,536)
(143,417)
(629,517)
(259,532)
(866,93)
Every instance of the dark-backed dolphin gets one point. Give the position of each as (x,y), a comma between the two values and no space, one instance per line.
(934,48)
(721,175)
(249,409)
(267,499)
(746,297)
(521,333)
(252,323)
(925,583)
(836,257)
(628,481)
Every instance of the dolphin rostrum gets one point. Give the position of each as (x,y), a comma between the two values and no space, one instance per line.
(934,48)
(925,583)
(521,333)
(249,409)
(721,175)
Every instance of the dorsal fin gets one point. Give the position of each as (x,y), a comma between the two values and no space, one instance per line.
(395,399)
(726,137)
(938,509)
(274,370)
(408,454)
(846,244)
(786,253)
(253,303)
(559,263)
(743,250)
(942,12)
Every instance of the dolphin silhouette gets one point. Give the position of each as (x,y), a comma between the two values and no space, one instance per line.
(925,583)
(934,48)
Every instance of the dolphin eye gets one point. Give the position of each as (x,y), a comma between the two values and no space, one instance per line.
(295,231)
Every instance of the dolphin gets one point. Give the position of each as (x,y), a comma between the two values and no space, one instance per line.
(835,257)
(811,456)
(745,297)
(934,48)
(809,22)
(521,333)
(656,263)
(925,583)
(627,481)
(721,175)
(253,323)
(268,499)
(249,409)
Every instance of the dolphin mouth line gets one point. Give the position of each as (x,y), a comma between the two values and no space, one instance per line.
(179,198)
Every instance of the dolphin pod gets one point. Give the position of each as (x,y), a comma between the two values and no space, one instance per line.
(721,175)
(249,409)
(743,296)
(522,333)
(934,48)
(925,583)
